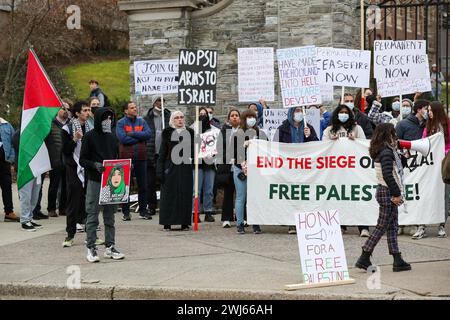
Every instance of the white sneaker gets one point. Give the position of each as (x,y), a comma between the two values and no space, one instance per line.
(413,231)
(92,255)
(80,227)
(112,253)
(441,232)
(420,233)
(226,224)
(364,233)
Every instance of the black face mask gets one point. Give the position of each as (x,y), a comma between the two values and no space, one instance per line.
(202,118)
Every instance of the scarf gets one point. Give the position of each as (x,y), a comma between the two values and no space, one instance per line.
(76,125)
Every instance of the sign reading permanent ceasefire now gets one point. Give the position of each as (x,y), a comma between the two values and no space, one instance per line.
(285,178)
(197,77)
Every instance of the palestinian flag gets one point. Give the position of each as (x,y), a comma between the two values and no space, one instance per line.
(40,106)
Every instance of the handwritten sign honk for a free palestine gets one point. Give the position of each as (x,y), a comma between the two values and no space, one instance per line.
(322,253)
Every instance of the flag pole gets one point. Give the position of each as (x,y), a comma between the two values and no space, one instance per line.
(162,110)
(362,48)
(196,169)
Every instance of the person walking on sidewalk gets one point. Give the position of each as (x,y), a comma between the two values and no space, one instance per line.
(389,172)
(7,157)
(133,133)
(98,145)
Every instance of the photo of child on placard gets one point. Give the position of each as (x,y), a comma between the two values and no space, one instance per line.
(115,187)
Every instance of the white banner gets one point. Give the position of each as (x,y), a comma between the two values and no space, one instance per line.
(155,76)
(401,59)
(273,118)
(322,253)
(256,74)
(395,87)
(343,67)
(298,76)
(314,176)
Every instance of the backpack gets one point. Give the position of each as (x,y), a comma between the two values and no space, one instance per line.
(445,169)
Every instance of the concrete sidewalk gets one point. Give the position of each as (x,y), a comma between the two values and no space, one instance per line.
(214,263)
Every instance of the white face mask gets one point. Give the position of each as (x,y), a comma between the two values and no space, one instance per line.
(210,115)
(251,122)
(351,105)
(396,106)
(406,111)
(343,117)
(425,114)
(106,126)
(298,117)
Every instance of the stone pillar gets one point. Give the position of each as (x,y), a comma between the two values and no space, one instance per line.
(158,29)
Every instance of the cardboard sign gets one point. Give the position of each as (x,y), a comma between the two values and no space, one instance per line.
(197,77)
(322,253)
(343,67)
(155,76)
(273,118)
(299,76)
(394,87)
(208,144)
(256,74)
(115,184)
(401,59)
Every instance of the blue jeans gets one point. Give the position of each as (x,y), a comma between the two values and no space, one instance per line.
(92,210)
(28,196)
(241,195)
(205,188)
(140,172)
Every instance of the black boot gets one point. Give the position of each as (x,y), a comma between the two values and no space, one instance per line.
(209,217)
(400,264)
(364,260)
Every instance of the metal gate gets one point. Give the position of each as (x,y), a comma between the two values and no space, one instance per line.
(412,20)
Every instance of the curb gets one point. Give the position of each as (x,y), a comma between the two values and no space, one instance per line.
(105,292)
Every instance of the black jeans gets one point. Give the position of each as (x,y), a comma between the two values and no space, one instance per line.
(76,197)
(151,186)
(140,172)
(57,178)
(5,184)
(228,201)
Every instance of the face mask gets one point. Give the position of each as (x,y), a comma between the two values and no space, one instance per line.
(251,122)
(106,126)
(298,117)
(210,116)
(351,105)
(406,111)
(157,109)
(425,115)
(396,106)
(202,117)
(343,117)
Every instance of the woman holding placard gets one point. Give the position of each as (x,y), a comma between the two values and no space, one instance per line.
(248,131)
(389,171)
(343,125)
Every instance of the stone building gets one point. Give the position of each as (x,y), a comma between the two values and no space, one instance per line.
(158,29)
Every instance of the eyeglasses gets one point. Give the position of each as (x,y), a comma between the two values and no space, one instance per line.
(178,117)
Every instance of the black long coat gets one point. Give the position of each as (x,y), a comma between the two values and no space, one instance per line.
(176,179)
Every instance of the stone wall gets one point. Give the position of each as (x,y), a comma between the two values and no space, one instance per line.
(243,23)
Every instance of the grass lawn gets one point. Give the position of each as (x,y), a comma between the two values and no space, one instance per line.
(113,78)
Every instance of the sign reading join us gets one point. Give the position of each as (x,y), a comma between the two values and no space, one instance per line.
(156,76)
(197,77)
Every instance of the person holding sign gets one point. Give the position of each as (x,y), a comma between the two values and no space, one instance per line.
(343,125)
(360,117)
(99,144)
(389,172)
(174,170)
(154,119)
(248,131)
(206,172)
(294,130)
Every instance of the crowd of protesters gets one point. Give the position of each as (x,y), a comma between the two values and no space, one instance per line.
(85,133)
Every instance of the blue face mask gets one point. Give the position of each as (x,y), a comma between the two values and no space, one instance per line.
(396,106)
(425,115)
(298,117)
(351,105)
(343,117)
(251,122)
(406,111)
